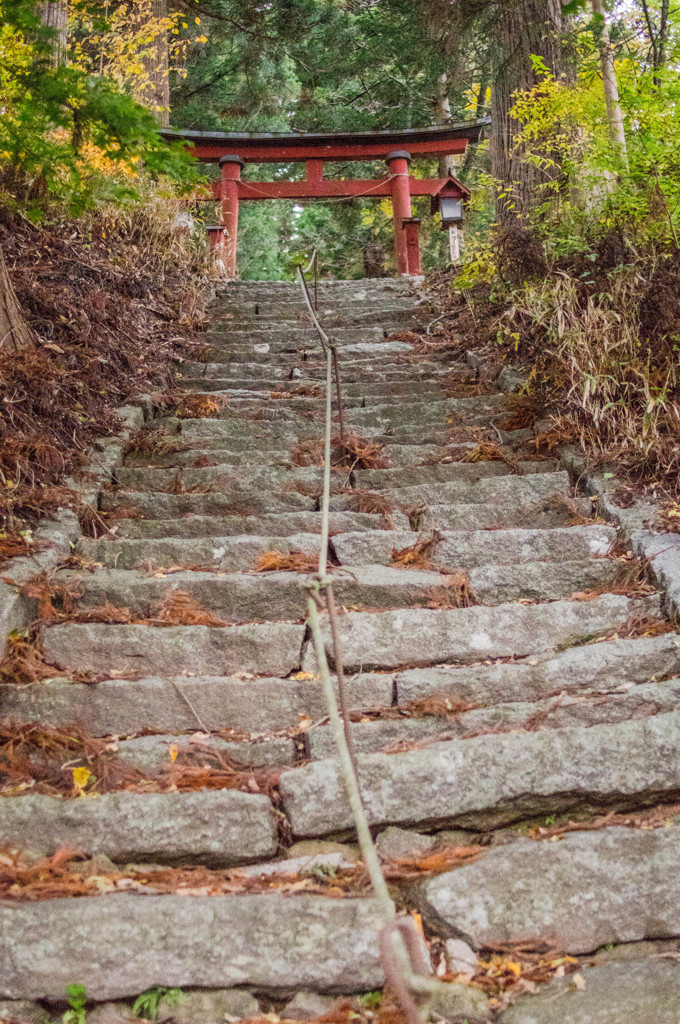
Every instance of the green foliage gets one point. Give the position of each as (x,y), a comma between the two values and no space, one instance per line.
(77,1000)
(66,136)
(146,1005)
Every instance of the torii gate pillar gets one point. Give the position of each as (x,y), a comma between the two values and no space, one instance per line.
(231,175)
(398,161)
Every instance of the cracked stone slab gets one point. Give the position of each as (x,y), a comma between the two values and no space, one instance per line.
(465,549)
(151,753)
(171,704)
(220,827)
(418,636)
(539,487)
(270,596)
(583,892)
(644,991)
(157,505)
(493,779)
(263,649)
(599,667)
(119,945)
(282,524)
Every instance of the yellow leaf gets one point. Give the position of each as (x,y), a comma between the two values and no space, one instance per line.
(514,967)
(81,777)
(173,751)
(303,676)
(197,20)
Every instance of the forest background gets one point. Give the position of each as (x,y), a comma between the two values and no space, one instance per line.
(571,239)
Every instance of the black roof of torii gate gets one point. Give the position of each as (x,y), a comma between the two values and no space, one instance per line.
(275,147)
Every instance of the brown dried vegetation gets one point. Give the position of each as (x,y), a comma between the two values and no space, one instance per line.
(293,561)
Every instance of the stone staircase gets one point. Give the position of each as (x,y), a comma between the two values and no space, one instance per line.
(507,678)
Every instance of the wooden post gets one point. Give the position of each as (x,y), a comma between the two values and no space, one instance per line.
(411,228)
(231,174)
(454,243)
(398,162)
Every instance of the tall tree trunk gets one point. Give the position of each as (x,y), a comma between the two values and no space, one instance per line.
(611,90)
(443,113)
(54,15)
(14,331)
(156,62)
(532,27)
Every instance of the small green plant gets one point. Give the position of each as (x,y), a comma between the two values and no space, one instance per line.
(77,1000)
(370,1000)
(551,819)
(146,1005)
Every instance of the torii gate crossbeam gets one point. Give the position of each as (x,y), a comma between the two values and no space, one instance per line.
(232,150)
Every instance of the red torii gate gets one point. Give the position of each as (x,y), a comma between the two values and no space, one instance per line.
(232,150)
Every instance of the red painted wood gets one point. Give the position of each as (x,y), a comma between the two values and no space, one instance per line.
(401,208)
(372,149)
(373,189)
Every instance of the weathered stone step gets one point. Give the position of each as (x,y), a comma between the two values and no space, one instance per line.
(256,433)
(315,371)
(265,479)
(222,457)
(352,394)
(121,944)
(492,780)
(228,554)
(379,479)
(241,597)
(206,450)
(565,711)
(254,374)
(427,412)
(240,553)
(272,648)
(153,752)
(217,827)
(281,524)
(607,666)
(275,478)
(360,352)
(389,318)
(465,550)
(507,490)
(641,986)
(157,505)
(520,512)
(540,581)
(171,704)
(586,891)
(427,636)
(263,305)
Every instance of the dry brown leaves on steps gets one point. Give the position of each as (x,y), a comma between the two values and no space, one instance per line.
(198,406)
(418,555)
(60,875)
(24,661)
(352,452)
(155,442)
(486,451)
(16,545)
(292,561)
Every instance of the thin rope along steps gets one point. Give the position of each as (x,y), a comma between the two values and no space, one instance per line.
(401,955)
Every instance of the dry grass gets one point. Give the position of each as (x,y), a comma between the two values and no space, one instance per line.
(612,358)
(524,411)
(293,561)
(456,592)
